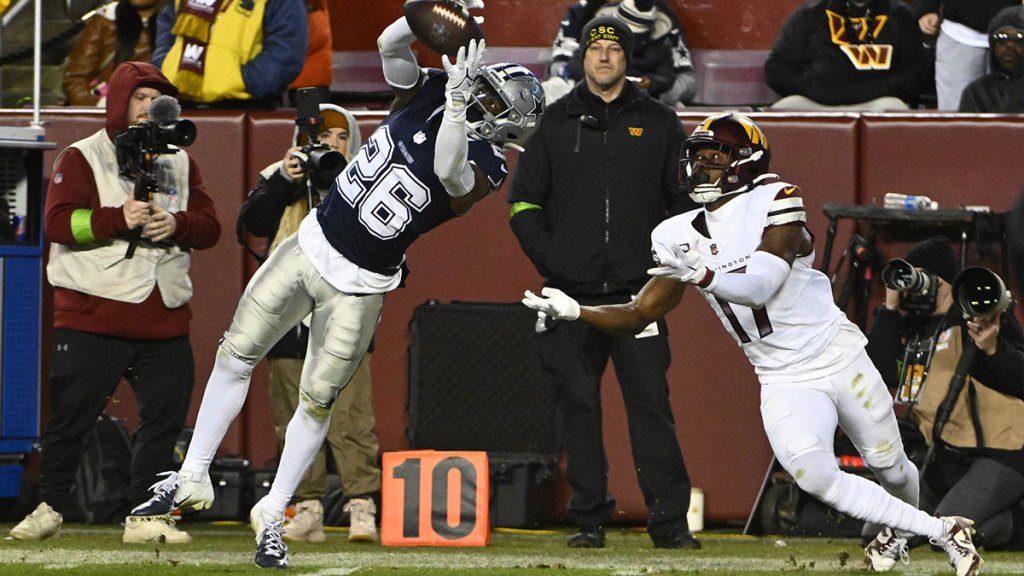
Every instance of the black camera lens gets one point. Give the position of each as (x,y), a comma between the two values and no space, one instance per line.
(901,276)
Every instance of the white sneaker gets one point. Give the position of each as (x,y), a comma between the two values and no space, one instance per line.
(963,556)
(308,523)
(362,520)
(178,490)
(259,517)
(42,523)
(148,529)
(882,553)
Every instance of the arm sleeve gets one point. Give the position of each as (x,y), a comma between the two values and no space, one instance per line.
(73,214)
(164,38)
(528,197)
(198,226)
(451,152)
(762,279)
(285,38)
(398,61)
(884,346)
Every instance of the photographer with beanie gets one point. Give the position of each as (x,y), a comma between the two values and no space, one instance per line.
(978,466)
(600,173)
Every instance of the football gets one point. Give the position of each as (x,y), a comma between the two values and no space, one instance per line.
(442,25)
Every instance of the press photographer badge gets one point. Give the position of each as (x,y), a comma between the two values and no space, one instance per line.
(915,364)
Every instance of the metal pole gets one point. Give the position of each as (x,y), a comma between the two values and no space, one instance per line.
(37,60)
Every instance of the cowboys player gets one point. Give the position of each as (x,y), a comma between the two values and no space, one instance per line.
(750,255)
(439,151)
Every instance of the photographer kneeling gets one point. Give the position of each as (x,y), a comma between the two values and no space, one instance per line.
(916,342)
(286,192)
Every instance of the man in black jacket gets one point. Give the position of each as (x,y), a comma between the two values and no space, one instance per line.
(1001,91)
(849,54)
(597,177)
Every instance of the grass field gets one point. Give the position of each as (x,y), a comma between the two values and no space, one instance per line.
(228,549)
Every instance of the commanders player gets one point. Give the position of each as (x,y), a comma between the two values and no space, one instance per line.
(750,255)
(439,151)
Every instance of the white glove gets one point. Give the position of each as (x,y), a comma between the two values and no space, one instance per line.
(684,265)
(463,73)
(556,304)
(470,4)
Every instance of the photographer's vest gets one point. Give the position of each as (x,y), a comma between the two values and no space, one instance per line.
(100,268)
(1000,416)
(235,38)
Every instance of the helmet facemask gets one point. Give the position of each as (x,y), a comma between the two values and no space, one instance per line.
(723,142)
(505,103)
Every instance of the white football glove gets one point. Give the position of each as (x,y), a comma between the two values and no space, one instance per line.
(463,73)
(470,4)
(684,265)
(555,303)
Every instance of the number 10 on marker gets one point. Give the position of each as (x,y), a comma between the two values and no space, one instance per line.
(435,499)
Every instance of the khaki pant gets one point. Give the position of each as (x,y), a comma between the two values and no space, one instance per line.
(350,437)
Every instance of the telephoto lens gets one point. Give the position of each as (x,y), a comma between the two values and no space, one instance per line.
(901,275)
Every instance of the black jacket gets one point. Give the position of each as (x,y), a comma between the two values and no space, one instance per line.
(808,61)
(595,180)
(1002,89)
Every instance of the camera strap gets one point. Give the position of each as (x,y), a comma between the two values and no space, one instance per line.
(917,358)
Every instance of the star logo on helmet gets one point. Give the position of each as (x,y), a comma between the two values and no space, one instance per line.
(419,137)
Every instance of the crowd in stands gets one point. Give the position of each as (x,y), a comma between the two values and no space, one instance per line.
(868,55)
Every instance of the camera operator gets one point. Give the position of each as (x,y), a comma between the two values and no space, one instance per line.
(275,207)
(917,340)
(118,317)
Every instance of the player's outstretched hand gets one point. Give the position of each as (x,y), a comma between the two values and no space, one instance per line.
(463,72)
(683,265)
(555,303)
(471,4)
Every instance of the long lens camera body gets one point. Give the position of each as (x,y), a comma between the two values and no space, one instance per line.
(917,288)
(980,293)
(151,138)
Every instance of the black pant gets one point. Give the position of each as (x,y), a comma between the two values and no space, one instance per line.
(578,355)
(84,373)
(958,483)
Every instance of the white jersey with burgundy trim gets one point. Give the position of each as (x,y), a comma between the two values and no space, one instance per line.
(789,338)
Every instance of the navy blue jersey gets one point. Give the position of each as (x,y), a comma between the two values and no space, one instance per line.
(388,194)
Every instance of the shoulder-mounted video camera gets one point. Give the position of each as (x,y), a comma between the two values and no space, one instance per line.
(318,161)
(139,145)
(163,133)
(917,288)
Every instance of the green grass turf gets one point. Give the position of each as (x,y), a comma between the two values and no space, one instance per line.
(228,549)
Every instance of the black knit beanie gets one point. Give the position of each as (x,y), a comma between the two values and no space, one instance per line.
(608,28)
(936,256)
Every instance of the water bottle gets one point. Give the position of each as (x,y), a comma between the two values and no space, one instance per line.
(894,200)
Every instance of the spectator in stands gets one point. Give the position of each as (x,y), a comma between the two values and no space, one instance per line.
(274,209)
(599,175)
(318,69)
(247,59)
(118,32)
(1001,90)
(961,49)
(918,352)
(848,54)
(660,63)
